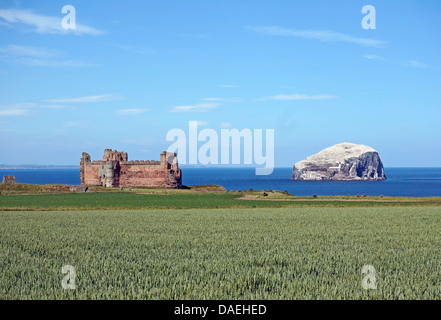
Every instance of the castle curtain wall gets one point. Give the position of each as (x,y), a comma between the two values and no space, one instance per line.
(91,175)
(142,175)
(115,171)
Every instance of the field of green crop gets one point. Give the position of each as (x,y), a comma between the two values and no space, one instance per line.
(288,253)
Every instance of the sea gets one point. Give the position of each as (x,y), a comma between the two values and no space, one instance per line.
(406,182)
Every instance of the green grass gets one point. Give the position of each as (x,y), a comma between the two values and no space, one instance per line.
(26,189)
(57,197)
(186,199)
(297,253)
(114,200)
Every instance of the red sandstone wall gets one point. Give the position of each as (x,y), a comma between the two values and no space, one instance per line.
(133,174)
(91,174)
(142,175)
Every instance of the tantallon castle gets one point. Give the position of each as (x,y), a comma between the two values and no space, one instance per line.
(116,171)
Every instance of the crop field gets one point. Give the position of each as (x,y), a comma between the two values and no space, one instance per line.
(263,253)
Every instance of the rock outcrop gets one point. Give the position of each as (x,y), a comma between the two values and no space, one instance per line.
(344,161)
(78,189)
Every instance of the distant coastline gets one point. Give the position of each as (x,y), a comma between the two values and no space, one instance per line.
(36,167)
(185,166)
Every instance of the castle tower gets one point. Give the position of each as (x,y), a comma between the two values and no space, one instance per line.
(85,159)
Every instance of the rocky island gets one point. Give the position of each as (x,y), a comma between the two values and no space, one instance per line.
(344,161)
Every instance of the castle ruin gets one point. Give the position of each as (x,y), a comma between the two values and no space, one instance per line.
(9,179)
(116,171)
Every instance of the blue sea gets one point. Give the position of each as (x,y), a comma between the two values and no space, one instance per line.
(410,182)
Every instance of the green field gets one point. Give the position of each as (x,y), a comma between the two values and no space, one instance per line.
(182,199)
(272,253)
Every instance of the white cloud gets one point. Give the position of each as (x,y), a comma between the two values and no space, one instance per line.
(321,35)
(373,57)
(31,105)
(228,86)
(88,99)
(13,112)
(37,52)
(130,112)
(24,109)
(37,56)
(225,125)
(52,63)
(44,24)
(198,107)
(297,96)
(21,109)
(416,64)
(409,63)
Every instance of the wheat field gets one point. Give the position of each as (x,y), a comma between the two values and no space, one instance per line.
(277,253)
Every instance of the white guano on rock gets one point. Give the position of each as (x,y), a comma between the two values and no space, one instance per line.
(344,161)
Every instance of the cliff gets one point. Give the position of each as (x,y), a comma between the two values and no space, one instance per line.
(344,161)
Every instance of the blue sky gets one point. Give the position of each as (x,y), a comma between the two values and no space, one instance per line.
(133,70)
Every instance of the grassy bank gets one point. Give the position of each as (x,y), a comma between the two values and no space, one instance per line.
(131,200)
(58,197)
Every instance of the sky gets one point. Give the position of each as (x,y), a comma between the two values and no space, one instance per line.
(133,70)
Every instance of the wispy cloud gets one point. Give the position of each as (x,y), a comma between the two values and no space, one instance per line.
(130,112)
(416,64)
(13,112)
(373,57)
(32,105)
(30,108)
(88,99)
(24,109)
(28,51)
(298,96)
(228,86)
(409,63)
(52,63)
(198,107)
(321,35)
(37,56)
(43,24)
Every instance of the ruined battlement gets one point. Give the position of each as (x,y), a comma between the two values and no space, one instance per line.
(113,155)
(116,171)
(8,179)
(143,162)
